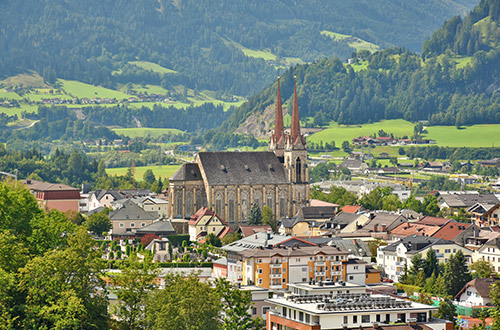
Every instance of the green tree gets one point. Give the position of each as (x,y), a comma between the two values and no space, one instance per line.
(213,240)
(346,147)
(49,231)
(64,287)
(446,311)
(420,279)
(149,177)
(456,273)
(269,219)
(417,264)
(231,237)
(255,217)
(431,263)
(184,304)
(98,223)
(235,306)
(482,269)
(134,281)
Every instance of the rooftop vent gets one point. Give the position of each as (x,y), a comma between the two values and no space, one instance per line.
(247,168)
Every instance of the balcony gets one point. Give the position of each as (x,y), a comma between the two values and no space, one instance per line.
(274,265)
(275,275)
(336,263)
(320,263)
(319,273)
(398,263)
(336,273)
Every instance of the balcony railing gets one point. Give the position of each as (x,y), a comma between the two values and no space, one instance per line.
(336,273)
(320,263)
(319,273)
(275,275)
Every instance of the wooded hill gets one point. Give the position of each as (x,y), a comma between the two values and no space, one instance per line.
(232,46)
(455,82)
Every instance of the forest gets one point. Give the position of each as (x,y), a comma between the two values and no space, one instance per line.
(443,88)
(202,42)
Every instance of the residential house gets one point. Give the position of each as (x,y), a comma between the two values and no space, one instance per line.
(393,257)
(476,292)
(128,217)
(374,224)
(490,251)
(354,165)
(105,198)
(495,162)
(457,232)
(220,268)
(205,222)
(258,300)
(456,200)
(485,214)
(150,203)
(344,219)
(352,209)
(162,228)
(56,196)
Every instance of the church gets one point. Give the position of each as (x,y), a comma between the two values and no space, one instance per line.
(231,182)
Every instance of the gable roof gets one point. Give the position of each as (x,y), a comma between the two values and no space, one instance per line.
(466,200)
(317,202)
(250,230)
(433,221)
(317,212)
(482,286)
(233,168)
(158,228)
(131,211)
(416,243)
(351,208)
(451,230)
(47,186)
(408,229)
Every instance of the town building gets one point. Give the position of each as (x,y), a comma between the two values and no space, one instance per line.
(476,292)
(56,196)
(393,257)
(128,217)
(231,182)
(205,222)
(340,306)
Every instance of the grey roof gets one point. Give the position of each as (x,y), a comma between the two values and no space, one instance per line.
(121,194)
(288,222)
(467,200)
(390,221)
(158,228)
(254,242)
(357,247)
(416,243)
(233,168)
(351,163)
(187,172)
(131,211)
(343,219)
(317,212)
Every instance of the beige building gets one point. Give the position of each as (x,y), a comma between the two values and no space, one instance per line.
(231,182)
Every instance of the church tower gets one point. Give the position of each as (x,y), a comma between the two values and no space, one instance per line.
(295,159)
(277,141)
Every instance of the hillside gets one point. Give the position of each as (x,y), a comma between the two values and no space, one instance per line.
(231,46)
(454,83)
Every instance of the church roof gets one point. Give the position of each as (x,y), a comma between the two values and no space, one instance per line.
(187,172)
(233,168)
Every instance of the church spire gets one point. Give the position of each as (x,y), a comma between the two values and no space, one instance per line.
(278,124)
(295,129)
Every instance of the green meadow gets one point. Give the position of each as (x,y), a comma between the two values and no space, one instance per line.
(151,66)
(165,171)
(449,136)
(357,43)
(145,131)
(81,90)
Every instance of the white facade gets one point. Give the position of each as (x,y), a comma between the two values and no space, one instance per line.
(489,252)
(356,273)
(470,297)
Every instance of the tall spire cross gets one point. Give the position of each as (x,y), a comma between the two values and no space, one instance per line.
(295,129)
(279,128)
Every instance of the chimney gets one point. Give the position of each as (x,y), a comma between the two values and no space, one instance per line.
(375,227)
(383,228)
(269,234)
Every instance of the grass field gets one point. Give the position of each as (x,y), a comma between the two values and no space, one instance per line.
(80,90)
(357,43)
(144,131)
(151,66)
(342,133)
(165,171)
(468,136)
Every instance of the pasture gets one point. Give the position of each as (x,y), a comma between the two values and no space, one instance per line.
(357,43)
(81,90)
(151,67)
(165,171)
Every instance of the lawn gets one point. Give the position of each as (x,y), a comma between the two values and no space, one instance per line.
(80,90)
(165,171)
(145,131)
(151,66)
(357,43)
(467,136)
(334,132)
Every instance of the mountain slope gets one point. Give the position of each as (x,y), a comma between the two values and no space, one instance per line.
(94,41)
(456,83)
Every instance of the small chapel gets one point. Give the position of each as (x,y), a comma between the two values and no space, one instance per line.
(229,183)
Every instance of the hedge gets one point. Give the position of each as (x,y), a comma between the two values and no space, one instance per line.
(177,240)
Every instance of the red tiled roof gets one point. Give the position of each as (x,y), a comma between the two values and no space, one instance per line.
(200,214)
(250,230)
(351,208)
(451,230)
(408,229)
(433,221)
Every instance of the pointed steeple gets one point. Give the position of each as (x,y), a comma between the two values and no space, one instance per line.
(279,128)
(295,129)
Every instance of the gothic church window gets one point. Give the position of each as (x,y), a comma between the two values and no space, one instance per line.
(218,203)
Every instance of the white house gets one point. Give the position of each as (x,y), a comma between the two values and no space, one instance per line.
(476,292)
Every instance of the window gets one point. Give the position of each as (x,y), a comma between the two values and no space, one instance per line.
(143,224)
(259,281)
(455,250)
(259,261)
(301,316)
(447,250)
(365,318)
(132,225)
(377,318)
(284,270)
(284,280)
(345,319)
(213,228)
(355,267)
(297,259)
(354,319)
(265,309)
(304,269)
(259,271)
(122,225)
(254,310)
(351,277)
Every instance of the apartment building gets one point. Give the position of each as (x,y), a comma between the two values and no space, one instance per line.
(276,267)
(333,306)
